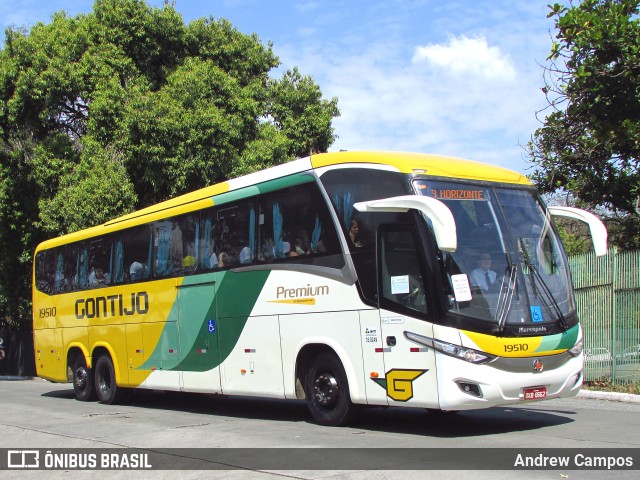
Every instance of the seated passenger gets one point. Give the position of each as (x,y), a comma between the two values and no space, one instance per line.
(482,276)
(246,257)
(286,248)
(213,260)
(266,251)
(137,271)
(189,261)
(97,278)
(225,260)
(298,248)
(354,234)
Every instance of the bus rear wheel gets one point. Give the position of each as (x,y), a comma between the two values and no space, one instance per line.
(105,379)
(327,391)
(83,383)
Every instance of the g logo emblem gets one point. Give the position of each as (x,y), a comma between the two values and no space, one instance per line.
(399,383)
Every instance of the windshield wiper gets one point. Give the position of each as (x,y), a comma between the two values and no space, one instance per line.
(505,298)
(535,274)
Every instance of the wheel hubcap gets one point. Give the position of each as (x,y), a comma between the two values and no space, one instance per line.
(325,390)
(105,381)
(80,378)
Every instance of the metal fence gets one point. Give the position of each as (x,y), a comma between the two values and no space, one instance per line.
(608,298)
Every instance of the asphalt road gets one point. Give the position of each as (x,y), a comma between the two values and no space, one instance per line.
(35,414)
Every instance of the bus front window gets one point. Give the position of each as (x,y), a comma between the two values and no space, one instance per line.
(509,268)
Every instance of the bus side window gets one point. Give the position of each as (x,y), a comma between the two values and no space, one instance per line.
(209,241)
(71,268)
(295,223)
(235,243)
(56,270)
(175,246)
(45,271)
(190,236)
(133,255)
(98,251)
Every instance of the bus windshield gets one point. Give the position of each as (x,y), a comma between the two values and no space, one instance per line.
(509,267)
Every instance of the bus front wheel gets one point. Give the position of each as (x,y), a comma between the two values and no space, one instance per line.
(83,384)
(105,377)
(327,391)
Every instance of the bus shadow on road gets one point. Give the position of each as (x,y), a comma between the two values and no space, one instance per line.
(472,423)
(413,421)
(204,404)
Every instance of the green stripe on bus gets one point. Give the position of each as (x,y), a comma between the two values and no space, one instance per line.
(560,341)
(266,187)
(208,332)
(235,195)
(237,296)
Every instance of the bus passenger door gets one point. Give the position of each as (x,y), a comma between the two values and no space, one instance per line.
(409,368)
(198,330)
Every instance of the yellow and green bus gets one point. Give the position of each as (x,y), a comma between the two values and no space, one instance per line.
(346,279)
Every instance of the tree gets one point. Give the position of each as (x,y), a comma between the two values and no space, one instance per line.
(589,144)
(127,106)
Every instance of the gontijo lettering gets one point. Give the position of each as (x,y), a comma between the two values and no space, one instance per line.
(112,305)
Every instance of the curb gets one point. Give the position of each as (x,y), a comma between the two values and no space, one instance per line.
(610,396)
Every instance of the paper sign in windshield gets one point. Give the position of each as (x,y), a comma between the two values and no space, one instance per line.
(461,288)
(400,284)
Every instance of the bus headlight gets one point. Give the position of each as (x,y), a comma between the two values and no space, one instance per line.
(463,353)
(577,348)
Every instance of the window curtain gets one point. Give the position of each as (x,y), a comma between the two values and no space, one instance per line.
(315,235)
(207,245)
(119,261)
(147,270)
(277,231)
(83,268)
(252,232)
(59,274)
(344,205)
(163,236)
(197,249)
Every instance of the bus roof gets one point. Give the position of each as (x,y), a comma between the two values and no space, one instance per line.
(427,164)
(432,165)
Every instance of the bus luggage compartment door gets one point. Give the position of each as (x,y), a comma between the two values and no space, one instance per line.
(198,330)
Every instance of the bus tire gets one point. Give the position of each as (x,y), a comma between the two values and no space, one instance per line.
(83,382)
(105,380)
(327,391)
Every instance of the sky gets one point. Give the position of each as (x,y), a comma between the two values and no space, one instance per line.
(459,77)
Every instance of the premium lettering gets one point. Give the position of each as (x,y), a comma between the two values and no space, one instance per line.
(112,306)
(307,291)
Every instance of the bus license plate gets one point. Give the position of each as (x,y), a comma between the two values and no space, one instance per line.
(535,393)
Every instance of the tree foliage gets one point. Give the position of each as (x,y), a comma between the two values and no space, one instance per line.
(126,106)
(589,144)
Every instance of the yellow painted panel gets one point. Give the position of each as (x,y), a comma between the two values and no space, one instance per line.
(136,355)
(515,347)
(113,338)
(432,165)
(49,354)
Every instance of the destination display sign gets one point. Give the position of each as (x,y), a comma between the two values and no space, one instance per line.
(457,192)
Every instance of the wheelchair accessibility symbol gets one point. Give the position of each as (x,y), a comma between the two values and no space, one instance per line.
(212,326)
(536,314)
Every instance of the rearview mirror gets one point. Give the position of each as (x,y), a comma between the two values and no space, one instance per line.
(444,226)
